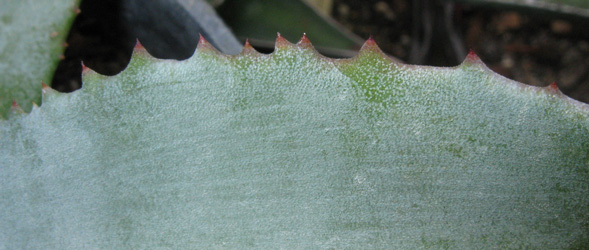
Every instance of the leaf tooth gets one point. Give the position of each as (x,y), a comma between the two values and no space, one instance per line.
(205,45)
(553,87)
(44,86)
(138,46)
(247,44)
(472,57)
(47,93)
(139,51)
(247,48)
(305,42)
(370,41)
(85,68)
(86,71)
(15,108)
(370,45)
(46,90)
(281,42)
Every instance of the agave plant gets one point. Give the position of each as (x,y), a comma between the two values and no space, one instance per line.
(296,150)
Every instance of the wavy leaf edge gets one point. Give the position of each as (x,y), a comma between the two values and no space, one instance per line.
(485,173)
(304,45)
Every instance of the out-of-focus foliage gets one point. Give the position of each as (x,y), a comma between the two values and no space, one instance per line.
(32,39)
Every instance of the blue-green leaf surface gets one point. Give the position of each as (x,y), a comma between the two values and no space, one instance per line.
(293,150)
(32,38)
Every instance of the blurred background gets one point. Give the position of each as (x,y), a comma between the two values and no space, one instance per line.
(535,42)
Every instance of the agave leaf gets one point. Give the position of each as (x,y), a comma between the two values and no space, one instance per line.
(32,40)
(579,8)
(171,28)
(295,150)
(259,20)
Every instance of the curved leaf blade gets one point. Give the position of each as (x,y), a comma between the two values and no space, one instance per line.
(296,150)
(33,37)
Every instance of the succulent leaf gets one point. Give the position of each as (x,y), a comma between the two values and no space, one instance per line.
(258,19)
(31,45)
(296,150)
(578,8)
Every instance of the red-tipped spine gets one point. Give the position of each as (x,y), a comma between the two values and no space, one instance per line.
(304,42)
(370,45)
(247,47)
(472,56)
(553,87)
(44,88)
(85,68)
(281,41)
(247,44)
(201,40)
(138,45)
(204,44)
(15,108)
(370,41)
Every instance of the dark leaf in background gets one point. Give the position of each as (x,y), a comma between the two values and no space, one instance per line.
(259,20)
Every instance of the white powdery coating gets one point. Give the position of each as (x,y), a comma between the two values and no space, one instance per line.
(33,33)
(294,151)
